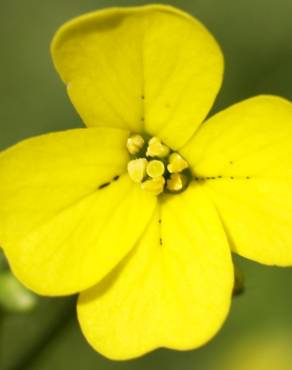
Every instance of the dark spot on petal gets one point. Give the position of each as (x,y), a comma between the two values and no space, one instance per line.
(247,177)
(219,177)
(160,241)
(231,177)
(104,185)
(116,178)
(231,162)
(142,97)
(159,221)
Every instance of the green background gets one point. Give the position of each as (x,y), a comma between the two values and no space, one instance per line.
(256,37)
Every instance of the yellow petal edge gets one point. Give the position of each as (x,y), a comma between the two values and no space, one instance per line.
(67,208)
(174,289)
(246,151)
(152,68)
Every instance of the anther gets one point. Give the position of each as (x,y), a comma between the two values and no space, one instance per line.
(156,148)
(176,182)
(137,169)
(162,171)
(154,186)
(135,144)
(155,168)
(176,163)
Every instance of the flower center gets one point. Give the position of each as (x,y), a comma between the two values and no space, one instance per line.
(156,167)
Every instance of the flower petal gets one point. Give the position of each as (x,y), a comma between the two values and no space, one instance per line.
(172,291)
(248,146)
(153,67)
(61,207)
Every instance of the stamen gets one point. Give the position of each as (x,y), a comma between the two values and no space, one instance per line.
(137,169)
(166,171)
(155,168)
(135,144)
(176,182)
(176,163)
(154,186)
(156,148)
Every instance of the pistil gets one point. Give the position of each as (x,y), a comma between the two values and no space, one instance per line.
(155,168)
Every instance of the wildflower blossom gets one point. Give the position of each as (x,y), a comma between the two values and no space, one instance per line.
(140,210)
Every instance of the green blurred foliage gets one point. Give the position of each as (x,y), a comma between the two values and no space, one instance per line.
(14,297)
(256,37)
(268,349)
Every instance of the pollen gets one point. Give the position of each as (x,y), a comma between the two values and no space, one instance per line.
(155,168)
(176,163)
(135,144)
(156,148)
(137,169)
(155,185)
(176,182)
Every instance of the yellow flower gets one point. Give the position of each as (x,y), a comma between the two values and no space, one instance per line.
(138,212)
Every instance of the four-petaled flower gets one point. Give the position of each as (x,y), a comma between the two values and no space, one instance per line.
(139,210)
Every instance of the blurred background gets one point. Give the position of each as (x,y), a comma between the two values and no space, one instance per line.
(43,334)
